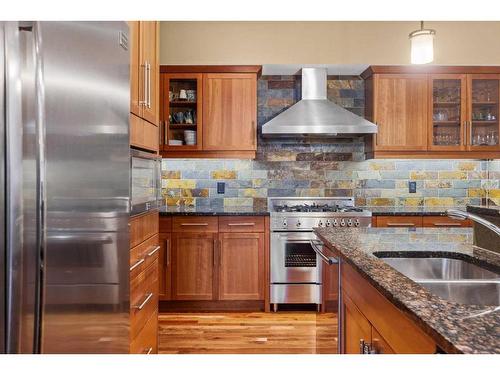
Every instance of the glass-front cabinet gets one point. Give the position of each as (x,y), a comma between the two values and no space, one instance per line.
(483,107)
(448,112)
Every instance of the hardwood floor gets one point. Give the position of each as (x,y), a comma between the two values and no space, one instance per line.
(248,333)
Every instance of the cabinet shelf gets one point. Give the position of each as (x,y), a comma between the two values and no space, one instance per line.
(484,103)
(485,122)
(446,103)
(181,126)
(446,123)
(181,103)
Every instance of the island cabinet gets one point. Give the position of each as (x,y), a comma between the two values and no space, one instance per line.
(209,111)
(371,324)
(433,111)
(144,283)
(406,221)
(213,263)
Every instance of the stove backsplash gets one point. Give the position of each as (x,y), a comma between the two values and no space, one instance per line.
(338,168)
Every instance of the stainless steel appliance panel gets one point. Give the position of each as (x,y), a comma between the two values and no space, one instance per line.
(2,196)
(295,293)
(86,114)
(145,181)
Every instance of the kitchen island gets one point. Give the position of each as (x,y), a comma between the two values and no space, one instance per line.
(406,315)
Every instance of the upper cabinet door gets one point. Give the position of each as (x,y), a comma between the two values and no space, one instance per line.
(149,76)
(483,111)
(401,112)
(134,67)
(448,109)
(230,112)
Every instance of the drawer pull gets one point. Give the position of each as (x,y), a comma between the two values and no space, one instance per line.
(447,224)
(154,251)
(138,263)
(146,300)
(150,350)
(241,224)
(400,224)
(194,224)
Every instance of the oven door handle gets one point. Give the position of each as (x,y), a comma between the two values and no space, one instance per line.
(325,259)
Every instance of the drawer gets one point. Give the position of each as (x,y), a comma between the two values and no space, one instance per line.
(143,255)
(241,224)
(444,221)
(142,227)
(143,298)
(146,341)
(195,224)
(143,134)
(399,221)
(165,224)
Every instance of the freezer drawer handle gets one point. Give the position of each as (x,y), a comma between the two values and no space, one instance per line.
(137,264)
(154,251)
(146,300)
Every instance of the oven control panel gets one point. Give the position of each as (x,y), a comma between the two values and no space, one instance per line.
(307,223)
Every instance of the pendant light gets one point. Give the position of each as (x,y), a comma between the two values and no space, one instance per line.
(422,45)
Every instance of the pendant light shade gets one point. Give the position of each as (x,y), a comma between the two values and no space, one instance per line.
(422,45)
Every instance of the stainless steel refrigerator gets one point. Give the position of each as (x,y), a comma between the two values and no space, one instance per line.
(64,177)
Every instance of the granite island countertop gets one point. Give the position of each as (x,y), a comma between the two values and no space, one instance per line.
(409,211)
(209,211)
(456,328)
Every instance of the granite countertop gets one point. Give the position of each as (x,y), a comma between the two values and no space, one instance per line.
(208,211)
(456,328)
(409,211)
(484,210)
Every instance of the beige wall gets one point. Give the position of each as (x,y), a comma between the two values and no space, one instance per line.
(456,43)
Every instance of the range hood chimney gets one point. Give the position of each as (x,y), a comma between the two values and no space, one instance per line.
(315,115)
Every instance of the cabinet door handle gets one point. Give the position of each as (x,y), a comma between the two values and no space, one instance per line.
(447,224)
(220,252)
(153,251)
(361,346)
(146,300)
(137,264)
(167,252)
(241,224)
(214,251)
(194,224)
(149,84)
(465,133)
(145,89)
(400,224)
(149,351)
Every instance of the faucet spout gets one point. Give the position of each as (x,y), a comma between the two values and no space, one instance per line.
(462,215)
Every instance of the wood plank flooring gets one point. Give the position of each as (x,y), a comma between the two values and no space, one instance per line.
(248,333)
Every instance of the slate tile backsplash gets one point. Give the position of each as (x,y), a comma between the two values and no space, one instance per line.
(333,168)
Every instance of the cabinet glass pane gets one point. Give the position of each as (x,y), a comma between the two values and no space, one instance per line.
(484,130)
(182,104)
(446,103)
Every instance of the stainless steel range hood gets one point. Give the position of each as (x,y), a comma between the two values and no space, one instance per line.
(315,115)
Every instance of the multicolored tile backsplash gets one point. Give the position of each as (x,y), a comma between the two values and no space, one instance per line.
(302,168)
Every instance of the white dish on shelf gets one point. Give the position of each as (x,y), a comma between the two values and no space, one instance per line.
(175,142)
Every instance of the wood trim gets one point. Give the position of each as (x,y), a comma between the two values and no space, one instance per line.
(256,69)
(143,227)
(167,153)
(165,224)
(398,330)
(430,69)
(210,306)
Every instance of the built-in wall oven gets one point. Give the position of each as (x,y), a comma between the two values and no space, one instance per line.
(145,181)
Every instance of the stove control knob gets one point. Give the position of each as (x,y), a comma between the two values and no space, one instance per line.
(320,223)
(285,223)
(298,223)
(328,223)
(335,223)
(342,223)
(349,223)
(356,223)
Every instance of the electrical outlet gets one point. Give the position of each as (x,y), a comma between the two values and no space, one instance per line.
(221,187)
(412,186)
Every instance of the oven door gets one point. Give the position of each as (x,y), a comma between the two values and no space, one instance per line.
(293,259)
(145,181)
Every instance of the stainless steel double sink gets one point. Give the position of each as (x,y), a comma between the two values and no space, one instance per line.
(449,278)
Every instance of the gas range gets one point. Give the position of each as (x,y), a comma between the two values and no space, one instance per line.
(304,214)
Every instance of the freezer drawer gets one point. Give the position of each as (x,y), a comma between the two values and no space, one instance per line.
(296,293)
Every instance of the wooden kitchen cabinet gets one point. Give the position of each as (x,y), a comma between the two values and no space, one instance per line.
(193,266)
(165,271)
(225,108)
(405,221)
(433,111)
(135,107)
(357,329)
(241,266)
(149,56)
(230,112)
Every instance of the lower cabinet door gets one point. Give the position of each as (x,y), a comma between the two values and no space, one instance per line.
(357,329)
(146,341)
(165,267)
(193,260)
(241,266)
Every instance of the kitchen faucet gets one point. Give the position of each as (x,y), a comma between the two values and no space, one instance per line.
(462,215)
